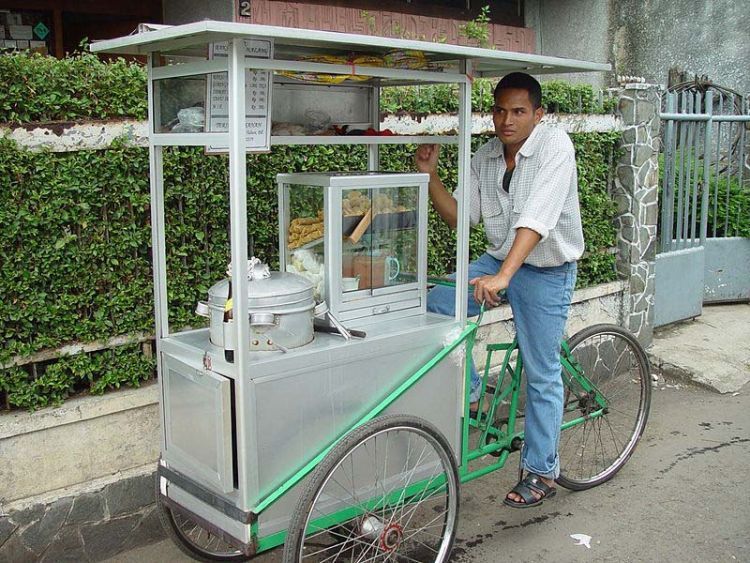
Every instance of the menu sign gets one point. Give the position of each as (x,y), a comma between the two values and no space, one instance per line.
(257,97)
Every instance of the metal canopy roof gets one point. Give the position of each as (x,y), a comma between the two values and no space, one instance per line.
(293,43)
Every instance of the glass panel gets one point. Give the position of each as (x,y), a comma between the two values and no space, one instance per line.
(304,245)
(380,237)
(180,104)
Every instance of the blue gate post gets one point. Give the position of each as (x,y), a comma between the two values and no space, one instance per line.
(636,193)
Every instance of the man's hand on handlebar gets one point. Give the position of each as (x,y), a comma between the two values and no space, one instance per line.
(487,288)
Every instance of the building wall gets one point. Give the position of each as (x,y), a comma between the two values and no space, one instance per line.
(575,29)
(187,11)
(648,38)
(383,23)
(348,20)
(710,37)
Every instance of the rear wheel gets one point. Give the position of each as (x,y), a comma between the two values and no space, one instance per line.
(193,538)
(592,452)
(387,492)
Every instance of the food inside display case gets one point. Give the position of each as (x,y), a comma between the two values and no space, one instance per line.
(378,248)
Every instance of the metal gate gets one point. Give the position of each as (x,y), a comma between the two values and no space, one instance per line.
(704,243)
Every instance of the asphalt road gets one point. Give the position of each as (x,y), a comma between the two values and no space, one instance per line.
(684,496)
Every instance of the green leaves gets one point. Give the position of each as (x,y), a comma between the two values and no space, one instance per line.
(41,88)
(595,158)
(557,97)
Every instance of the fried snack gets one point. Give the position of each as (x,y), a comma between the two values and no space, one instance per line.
(305,229)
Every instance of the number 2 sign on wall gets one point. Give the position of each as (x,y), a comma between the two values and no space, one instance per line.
(244,8)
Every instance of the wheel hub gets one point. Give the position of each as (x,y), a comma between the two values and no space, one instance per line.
(390,537)
(587,403)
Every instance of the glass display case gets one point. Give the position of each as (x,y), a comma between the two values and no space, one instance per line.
(359,237)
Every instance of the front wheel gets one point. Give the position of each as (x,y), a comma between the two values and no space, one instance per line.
(388,491)
(611,359)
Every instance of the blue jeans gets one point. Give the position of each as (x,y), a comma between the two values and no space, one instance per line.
(540,299)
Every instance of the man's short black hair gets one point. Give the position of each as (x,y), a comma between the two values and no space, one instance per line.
(521,81)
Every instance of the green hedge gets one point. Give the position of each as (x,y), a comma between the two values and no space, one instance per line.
(75,227)
(82,86)
(75,246)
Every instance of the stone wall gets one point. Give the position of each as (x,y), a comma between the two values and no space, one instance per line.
(88,526)
(636,193)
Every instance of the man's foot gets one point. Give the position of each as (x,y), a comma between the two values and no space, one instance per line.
(532,490)
(474,406)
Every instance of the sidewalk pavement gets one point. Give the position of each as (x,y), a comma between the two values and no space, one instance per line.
(712,350)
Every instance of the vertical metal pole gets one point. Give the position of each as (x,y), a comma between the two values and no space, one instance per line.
(709,100)
(688,157)
(729,168)
(373,151)
(741,163)
(462,239)
(681,149)
(238,240)
(158,240)
(667,210)
(694,219)
(464,190)
(716,166)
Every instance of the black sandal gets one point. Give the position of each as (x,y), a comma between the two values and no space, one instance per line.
(525,488)
(488,390)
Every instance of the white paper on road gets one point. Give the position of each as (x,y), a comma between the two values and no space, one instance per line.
(582,539)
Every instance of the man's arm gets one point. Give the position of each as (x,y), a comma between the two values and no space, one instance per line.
(486,288)
(426,160)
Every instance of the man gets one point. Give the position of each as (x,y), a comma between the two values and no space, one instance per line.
(524,189)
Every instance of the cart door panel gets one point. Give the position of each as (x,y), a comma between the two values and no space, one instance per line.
(198,423)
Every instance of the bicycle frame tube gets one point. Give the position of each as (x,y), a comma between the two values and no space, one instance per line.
(503,438)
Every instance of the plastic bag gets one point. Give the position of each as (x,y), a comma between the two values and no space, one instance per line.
(190,120)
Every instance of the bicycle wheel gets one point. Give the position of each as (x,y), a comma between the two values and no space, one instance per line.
(391,486)
(192,537)
(594,451)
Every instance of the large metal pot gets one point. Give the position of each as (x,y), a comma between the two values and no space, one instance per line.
(280,308)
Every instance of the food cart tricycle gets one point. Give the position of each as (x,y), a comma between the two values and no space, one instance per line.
(326,411)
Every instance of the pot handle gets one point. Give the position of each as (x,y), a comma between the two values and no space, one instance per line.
(202,310)
(262,319)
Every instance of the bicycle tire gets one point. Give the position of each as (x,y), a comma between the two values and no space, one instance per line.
(600,351)
(383,530)
(195,541)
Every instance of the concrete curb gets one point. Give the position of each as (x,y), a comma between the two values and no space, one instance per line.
(682,374)
(712,351)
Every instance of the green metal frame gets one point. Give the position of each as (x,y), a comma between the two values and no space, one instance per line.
(495,437)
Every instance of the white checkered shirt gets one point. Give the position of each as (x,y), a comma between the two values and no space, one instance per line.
(543,196)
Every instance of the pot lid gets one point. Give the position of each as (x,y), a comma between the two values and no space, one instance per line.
(278,283)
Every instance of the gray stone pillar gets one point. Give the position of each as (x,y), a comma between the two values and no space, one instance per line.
(635,191)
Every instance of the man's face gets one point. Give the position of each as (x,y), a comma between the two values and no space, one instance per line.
(514,116)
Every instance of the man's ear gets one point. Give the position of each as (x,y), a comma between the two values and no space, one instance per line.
(538,114)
